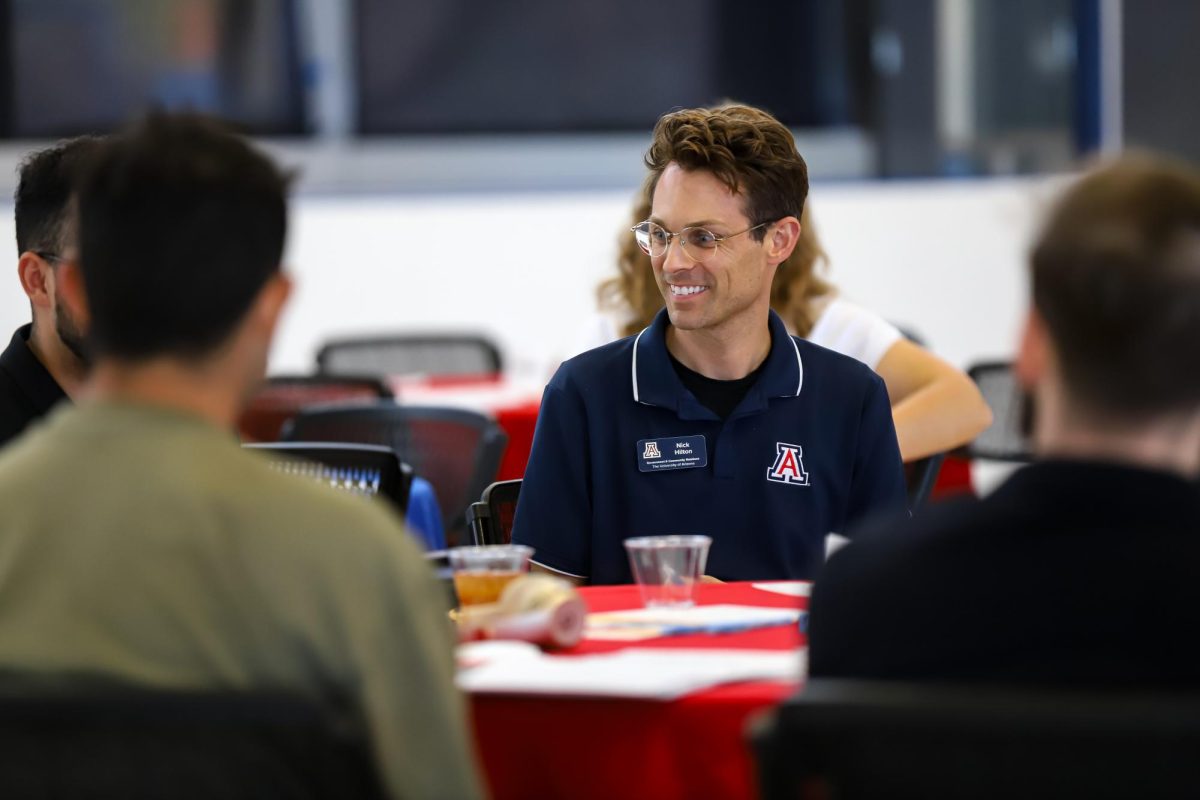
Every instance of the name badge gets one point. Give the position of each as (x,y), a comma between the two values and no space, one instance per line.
(677,452)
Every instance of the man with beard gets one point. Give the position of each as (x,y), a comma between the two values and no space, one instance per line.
(44,363)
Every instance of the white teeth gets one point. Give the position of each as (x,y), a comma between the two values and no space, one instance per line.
(686,290)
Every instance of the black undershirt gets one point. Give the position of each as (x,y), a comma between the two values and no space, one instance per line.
(719,397)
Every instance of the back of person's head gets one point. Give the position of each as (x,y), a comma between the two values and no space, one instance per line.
(181,224)
(1116,279)
(745,148)
(47,181)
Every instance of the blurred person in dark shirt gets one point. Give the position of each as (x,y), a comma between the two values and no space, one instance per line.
(44,362)
(1085,566)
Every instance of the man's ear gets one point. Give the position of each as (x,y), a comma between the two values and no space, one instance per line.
(70,289)
(271,300)
(1033,352)
(781,239)
(36,279)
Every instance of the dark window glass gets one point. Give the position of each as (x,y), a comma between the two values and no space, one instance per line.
(91,65)
(547,65)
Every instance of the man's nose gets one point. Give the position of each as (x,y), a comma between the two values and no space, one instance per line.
(676,259)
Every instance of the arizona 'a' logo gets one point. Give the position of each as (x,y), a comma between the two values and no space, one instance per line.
(788,466)
(651,450)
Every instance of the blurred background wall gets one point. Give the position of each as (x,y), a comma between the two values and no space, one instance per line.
(464,165)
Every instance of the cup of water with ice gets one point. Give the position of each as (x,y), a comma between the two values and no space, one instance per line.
(667,568)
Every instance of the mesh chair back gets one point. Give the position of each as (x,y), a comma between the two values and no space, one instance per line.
(864,739)
(360,469)
(445,354)
(491,517)
(283,396)
(456,450)
(1004,439)
(142,744)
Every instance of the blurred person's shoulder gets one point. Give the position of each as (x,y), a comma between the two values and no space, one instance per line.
(954,536)
(167,464)
(312,519)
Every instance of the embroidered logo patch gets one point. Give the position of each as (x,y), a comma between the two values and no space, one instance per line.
(789,465)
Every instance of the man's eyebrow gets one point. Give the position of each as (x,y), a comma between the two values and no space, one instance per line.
(704,223)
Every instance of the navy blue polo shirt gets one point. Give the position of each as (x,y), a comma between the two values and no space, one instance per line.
(623,449)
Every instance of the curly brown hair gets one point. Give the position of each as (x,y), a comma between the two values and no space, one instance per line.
(632,290)
(748,150)
(754,155)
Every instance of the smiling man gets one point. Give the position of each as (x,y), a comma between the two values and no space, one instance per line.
(713,420)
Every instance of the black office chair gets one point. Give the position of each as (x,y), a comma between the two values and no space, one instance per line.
(864,739)
(920,477)
(281,397)
(356,468)
(1006,439)
(142,744)
(456,450)
(417,354)
(490,519)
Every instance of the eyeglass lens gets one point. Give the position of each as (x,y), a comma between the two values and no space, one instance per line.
(654,239)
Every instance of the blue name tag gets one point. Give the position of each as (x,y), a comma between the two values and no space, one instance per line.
(678,452)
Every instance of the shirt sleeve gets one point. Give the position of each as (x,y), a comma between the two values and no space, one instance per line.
(554,511)
(401,641)
(878,485)
(854,331)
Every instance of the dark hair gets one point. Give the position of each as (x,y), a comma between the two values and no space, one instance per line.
(1116,277)
(181,224)
(748,150)
(47,180)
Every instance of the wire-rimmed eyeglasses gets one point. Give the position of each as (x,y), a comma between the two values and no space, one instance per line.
(698,243)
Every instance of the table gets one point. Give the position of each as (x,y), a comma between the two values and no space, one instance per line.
(602,748)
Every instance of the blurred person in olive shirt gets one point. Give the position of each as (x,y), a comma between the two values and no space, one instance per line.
(141,543)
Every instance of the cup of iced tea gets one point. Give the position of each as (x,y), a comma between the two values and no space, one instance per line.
(482,572)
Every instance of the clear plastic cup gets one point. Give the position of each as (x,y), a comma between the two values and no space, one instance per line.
(666,568)
(481,573)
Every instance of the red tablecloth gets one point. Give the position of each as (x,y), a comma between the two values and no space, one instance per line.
(518,421)
(539,747)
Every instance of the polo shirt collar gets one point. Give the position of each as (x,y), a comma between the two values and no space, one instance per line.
(655,383)
(30,374)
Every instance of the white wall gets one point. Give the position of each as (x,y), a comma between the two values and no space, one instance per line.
(943,257)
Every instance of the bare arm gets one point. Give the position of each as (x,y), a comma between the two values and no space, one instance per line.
(935,406)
